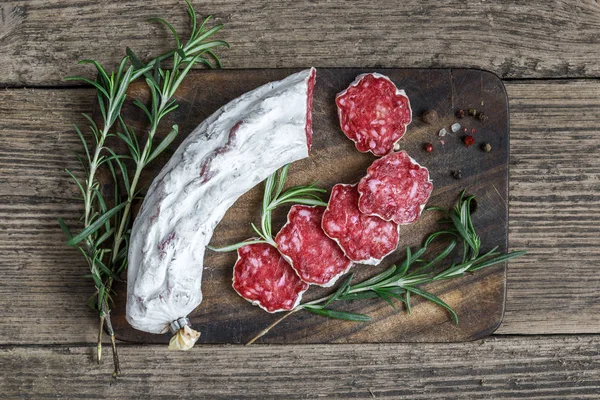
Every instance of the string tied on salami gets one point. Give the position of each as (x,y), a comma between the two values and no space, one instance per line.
(184,336)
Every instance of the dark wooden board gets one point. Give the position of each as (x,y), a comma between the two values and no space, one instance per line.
(224,317)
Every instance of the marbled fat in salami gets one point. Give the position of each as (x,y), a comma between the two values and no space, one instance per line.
(364,239)
(315,257)
(373,113)
(396,188)
(263,277)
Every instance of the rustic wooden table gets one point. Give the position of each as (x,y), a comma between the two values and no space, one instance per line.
(547,52)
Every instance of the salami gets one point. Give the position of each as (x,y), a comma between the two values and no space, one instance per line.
(263,277)
(315,257)
(396,188)
(373,113)
(364,239)
(234,149)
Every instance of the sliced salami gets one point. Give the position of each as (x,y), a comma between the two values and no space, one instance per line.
(263,277)
(396,188)
(373,113)
(364,239)
(315,257)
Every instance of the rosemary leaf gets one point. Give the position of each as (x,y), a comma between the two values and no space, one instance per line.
(348,316)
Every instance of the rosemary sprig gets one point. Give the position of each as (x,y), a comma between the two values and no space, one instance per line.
(104,239)
(403,281)
(274,197)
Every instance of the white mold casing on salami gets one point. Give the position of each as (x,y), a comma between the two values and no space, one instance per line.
(234,149)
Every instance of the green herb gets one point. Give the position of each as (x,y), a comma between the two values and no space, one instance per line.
(273,198)
(104,239)
(401,282)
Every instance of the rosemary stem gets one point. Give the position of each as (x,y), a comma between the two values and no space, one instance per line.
(268,328)
(100,331)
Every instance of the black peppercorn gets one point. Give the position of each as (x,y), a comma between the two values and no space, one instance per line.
(430,117)
(486,147)
(457,174)
(472,112)
(482,117)
(460,114)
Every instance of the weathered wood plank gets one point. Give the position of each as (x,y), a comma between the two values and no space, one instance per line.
(498,368)
(555,210)
(41,40)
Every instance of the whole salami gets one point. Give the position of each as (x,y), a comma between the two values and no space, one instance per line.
(234,149)
(315,257)
(373,113)
(364,239)
(263,277)
(396,188)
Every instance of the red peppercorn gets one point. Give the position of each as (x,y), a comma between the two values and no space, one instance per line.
(464,130)
(428,147)
(473,130)
(469,140)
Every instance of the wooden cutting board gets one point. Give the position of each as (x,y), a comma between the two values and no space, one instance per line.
(224,317)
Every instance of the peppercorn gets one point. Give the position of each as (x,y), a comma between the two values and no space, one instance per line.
(473,130)
(472,112)
(428,147)
(430,117)
(482,117)
(460,114)
(464,130)
(486,147)
(457,174)
(469,140)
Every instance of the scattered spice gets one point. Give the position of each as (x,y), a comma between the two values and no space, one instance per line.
(486,147)
(455,127)
(428,147)
(473,130)
(430,117)
(442,132)
(465,130)
(396,146)
(460,114)
(472,112)
(457,174)
(469,140)
(442,142)
(482,117)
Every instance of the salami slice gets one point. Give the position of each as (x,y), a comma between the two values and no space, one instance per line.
(263,277)
(373,113)
(396,188)
(364,239)
(315,257)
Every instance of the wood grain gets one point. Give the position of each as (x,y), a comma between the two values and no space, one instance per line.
(499,368)
(554,207)
(224,317)
(41,40)
(554,214)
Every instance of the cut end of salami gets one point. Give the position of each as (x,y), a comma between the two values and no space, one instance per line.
(373,113)
(396,188)
(263,277)
(364,239)
(315,257)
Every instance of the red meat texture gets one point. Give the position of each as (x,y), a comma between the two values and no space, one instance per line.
(373,114)
(263,277)
(396,188)
(363,238)
(315,257)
